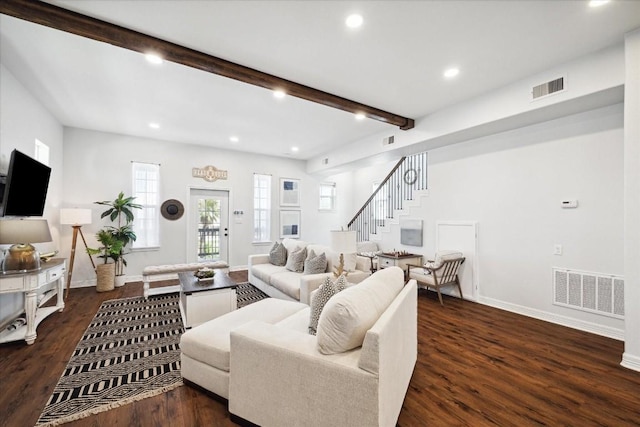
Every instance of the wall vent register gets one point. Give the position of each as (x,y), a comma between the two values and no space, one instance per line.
(548,88)
(593,292)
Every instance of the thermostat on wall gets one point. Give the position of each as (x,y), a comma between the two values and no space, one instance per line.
(569,204)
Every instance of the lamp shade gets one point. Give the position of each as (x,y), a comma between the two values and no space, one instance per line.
(24,231)
(344,241)
(75,216)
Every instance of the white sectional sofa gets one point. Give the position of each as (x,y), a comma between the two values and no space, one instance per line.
(278,282)
(274,373)
(280,376)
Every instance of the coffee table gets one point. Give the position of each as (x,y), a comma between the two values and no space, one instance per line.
(201,301)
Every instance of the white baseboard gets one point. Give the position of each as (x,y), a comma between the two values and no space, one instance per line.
(630,361)
(617,334)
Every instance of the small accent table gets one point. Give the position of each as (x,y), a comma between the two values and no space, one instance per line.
(201,301)
(399,260)
(30,284)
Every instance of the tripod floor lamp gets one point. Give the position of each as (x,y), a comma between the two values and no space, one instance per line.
(75,218)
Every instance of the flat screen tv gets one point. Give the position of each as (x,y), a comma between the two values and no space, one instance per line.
(26,186)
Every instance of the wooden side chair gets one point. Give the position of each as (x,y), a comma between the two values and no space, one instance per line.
(441,272)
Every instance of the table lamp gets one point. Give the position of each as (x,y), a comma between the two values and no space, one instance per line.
(20,233)
(76,218)
(343,242)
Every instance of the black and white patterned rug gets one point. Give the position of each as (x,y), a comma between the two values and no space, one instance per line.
(129,352)
(246,294)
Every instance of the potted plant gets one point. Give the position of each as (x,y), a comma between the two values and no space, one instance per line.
(110,250)
(120,211)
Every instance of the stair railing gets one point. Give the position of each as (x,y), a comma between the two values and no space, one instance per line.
(407,176)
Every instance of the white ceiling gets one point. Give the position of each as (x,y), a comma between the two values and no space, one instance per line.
(394,62)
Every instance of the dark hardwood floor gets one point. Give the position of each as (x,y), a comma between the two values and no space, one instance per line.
(477,366)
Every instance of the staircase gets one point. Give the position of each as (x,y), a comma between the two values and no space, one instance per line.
(401,185)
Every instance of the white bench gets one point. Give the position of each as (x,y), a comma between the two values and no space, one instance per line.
(156,270)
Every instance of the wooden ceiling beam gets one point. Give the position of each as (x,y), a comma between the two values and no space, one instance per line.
(72,22)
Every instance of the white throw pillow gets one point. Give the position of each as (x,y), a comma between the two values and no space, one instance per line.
(348,315)
(442,256)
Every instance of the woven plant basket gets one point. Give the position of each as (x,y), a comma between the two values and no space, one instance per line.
(106,277)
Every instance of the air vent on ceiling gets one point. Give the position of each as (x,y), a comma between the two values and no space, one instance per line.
(388,140)
(548,88)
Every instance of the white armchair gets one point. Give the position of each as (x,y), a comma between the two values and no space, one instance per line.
(370,250)
(438,273)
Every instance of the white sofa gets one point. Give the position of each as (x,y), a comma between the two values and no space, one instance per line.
(280,377)
(278,282)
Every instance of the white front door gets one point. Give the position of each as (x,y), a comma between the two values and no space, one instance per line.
(461,236)
(208,231)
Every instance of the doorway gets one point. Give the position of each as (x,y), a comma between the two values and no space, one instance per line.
(208,229)
(461,236)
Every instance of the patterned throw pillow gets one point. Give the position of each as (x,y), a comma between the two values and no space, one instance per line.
(295,261)
(326,290)
(315,264)
(278,254)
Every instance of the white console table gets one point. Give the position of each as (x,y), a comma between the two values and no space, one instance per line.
(30,283)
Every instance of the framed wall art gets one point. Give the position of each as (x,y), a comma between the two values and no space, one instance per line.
(289,192)
(411,232)
(290,224)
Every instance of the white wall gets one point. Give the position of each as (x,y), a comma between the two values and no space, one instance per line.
(23,119)
(631,356)
(98,167)
(512,184)
(591,81)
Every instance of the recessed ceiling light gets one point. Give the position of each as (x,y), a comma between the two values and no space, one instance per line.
(278,93)
(360,116)
(354,21)
(596,3)
(294,149)
(154,125)
(153,58)
(451,72)
(234,139)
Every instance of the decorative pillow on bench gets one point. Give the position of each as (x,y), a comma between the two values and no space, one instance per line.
(326,290)
(278,254)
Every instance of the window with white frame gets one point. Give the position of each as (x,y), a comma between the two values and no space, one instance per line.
(146,190)
(327,196)
(261,208)
(42,152)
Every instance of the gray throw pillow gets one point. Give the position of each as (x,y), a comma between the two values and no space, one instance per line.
(278,254)
(315,264)
(295,260)
(327,289)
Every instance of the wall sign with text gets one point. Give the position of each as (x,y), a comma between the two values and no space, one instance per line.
(209,173)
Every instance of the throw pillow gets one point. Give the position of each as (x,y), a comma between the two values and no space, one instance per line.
(347,317)
(326,290)
(315,264)
(295,260)
(278,254)
(443,256)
